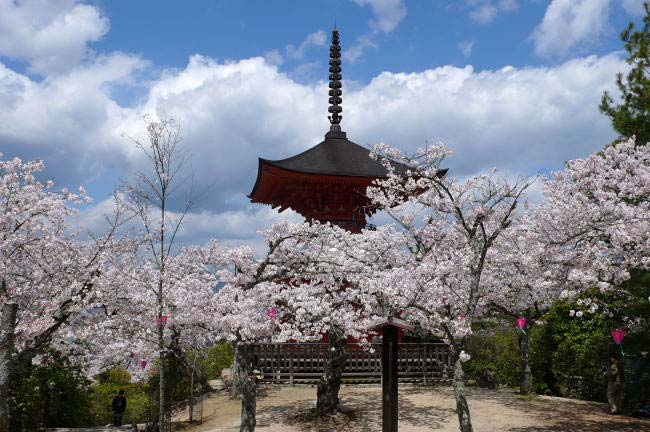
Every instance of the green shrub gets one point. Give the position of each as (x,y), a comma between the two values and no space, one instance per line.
(570,354)
(220,356)
(51,394)
(138,406)
(494,348)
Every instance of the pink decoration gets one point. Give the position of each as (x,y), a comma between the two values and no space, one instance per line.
(272,313)
(618,336)
(161,321)
(143,363)
(152,371)
(521,323)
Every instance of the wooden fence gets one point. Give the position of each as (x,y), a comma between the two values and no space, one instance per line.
(304,362)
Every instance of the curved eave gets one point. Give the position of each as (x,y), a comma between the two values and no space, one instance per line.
(262,162)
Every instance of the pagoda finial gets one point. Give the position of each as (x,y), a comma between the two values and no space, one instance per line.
(335,80)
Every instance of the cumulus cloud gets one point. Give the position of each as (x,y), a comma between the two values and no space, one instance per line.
(387,14)
(466,48)
(485,11)
(633,7)
(70,120)
(363,42)
(523,120)
(570,23)
(230,227)
(274,57)
(317,38)
(518,119)
(51,36)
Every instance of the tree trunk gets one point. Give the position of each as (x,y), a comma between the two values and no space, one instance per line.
(191,407)
(526,376)
(161,379)
(236,372)
(464,421)
(248,386)
(7,331)
(330,383)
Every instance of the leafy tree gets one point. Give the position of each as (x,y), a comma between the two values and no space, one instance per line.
(630,117)
(53,393)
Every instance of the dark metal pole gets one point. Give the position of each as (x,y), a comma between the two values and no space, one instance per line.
(389,378)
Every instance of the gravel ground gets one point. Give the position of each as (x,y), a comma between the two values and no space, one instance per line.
(285,409)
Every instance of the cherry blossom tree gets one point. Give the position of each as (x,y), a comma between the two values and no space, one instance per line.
(49,277)
(305,285)
(589,232)
(450,228)
(522,281)
(149,198)
(596,216)
(126,333)
(595,222)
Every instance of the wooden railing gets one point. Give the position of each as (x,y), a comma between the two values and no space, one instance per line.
(303,362)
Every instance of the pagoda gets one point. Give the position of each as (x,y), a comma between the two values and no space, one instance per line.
(328,182)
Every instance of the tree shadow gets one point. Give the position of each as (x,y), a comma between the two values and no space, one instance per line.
(359,410)
(588,426)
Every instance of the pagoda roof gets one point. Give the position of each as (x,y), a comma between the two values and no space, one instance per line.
(336,156)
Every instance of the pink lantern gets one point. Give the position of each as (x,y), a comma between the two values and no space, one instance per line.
(272,313)
(618,336)
(152,371)
(143,363)
(161,321)
(521,323)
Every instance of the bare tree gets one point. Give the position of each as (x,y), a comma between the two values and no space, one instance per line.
(149,197)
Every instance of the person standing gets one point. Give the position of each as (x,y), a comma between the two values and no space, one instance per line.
(119,406)
(615,380)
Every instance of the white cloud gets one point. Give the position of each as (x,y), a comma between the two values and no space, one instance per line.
(522,120)
(231,227)
(231,113)
(51,36)
(70,120)
(485,11)
(274,57)
(466,47)
(317,38)
(633,7)
(353,53)
(387,14)
(570,23)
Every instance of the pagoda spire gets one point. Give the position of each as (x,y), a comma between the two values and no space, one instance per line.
(335,81)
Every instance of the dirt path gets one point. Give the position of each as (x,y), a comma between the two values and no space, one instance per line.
(285,409)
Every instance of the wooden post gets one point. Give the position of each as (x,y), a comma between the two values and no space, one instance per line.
(291,365)
(423,355)
(389,379)
(389,368)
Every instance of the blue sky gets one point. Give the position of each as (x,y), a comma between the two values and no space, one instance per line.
(430,34)
(512,84)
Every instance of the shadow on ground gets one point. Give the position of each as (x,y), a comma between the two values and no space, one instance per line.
(424,409)
(360,411)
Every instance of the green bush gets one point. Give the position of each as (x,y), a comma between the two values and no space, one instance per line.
(570,354)
(494,348)
(51,394)
(138,407)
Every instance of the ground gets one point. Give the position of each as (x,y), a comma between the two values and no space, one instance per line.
(421,409)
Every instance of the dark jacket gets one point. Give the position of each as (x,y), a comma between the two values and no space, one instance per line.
(119,403)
